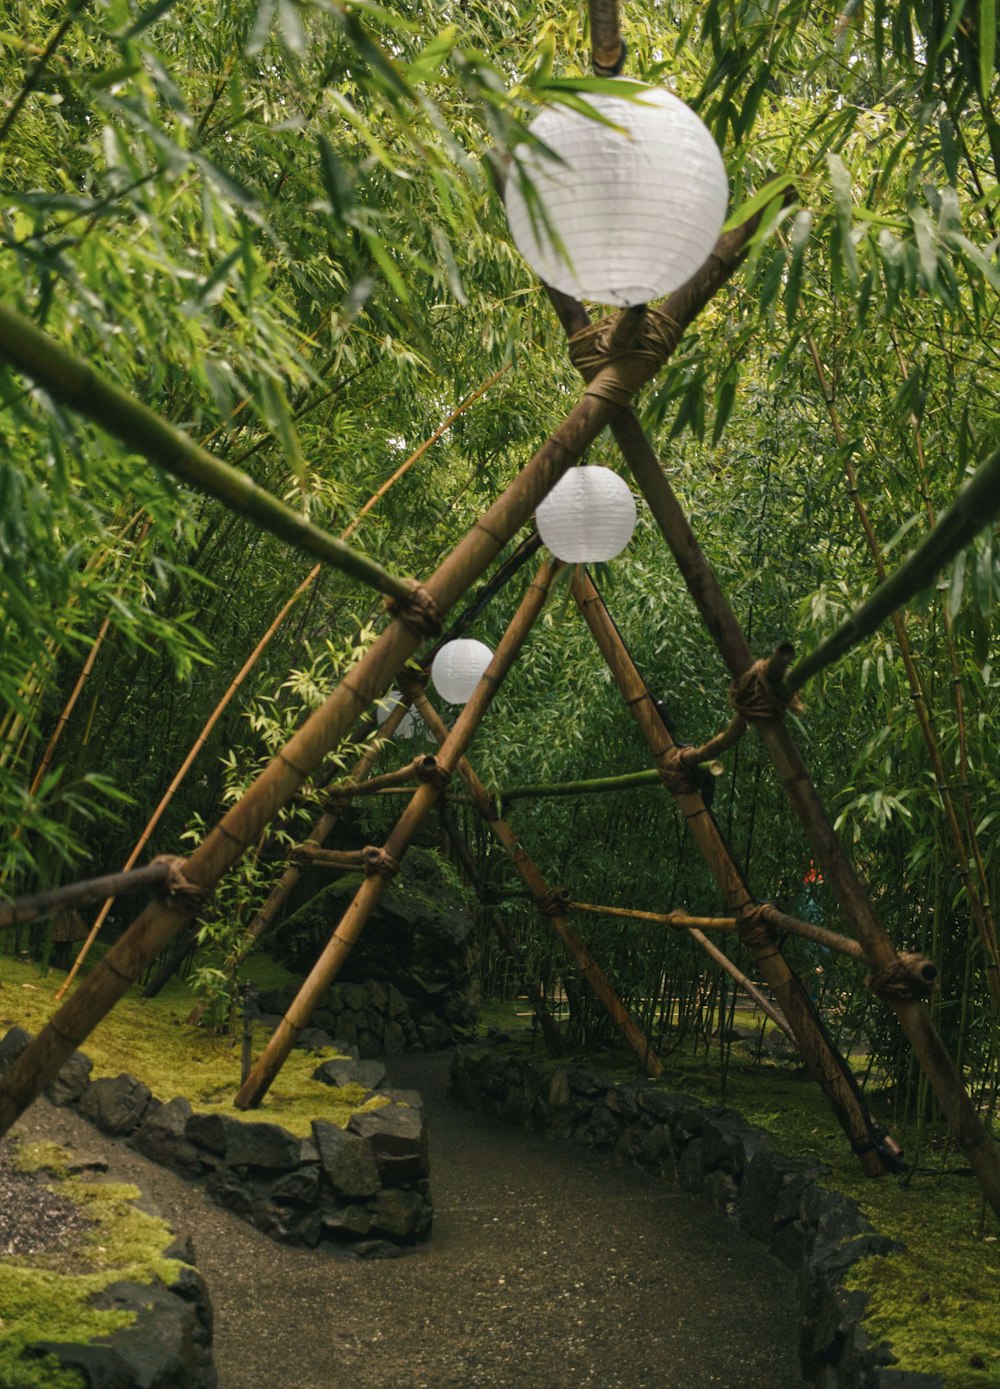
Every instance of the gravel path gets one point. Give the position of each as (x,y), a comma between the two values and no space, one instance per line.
(547,1268)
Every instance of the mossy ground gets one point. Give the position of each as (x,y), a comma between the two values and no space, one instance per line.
(42,1301)
(936,1304)
(151,1040)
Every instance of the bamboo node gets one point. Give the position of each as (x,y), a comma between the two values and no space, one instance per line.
(675,775)
(418,611)
(755,933)
(615,371)
(554,901)
(429,769)
(378,861)
(908,979)
(754,697)
(179,888)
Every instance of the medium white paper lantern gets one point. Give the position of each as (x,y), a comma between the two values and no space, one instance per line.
(410,721)
(588,517)
(637,210)
(458,668)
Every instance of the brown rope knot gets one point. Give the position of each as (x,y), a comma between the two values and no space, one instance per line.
(429,769)
(301,855)
(908,979)
(554,901)
(379,861)
(754,697)
(616,371)
(337,804)
(486,804)
(676,776)
(411,683)
(754,931)
(418,611)
(179,888)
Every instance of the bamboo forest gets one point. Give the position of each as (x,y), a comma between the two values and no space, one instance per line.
(499,742)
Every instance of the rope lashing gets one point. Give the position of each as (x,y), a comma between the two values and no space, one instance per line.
(412,684)
(908,979)
(754,697)
(485,804)
(676,776)
(554,902)
(337,805)
(179,888)
(378,861)
(418,611)
(617,372)
(429,769)
(754,931)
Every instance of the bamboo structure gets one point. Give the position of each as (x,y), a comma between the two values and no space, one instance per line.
(385,862)
(747,985)
(818,1052)
(550,901)
(243,822)
(23,910)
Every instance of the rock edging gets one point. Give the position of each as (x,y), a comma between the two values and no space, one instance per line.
(713,1151)
(363,1189)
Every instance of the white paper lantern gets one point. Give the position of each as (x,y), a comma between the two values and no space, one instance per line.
(588,517)
(458,668)
(410,721)
(637,210)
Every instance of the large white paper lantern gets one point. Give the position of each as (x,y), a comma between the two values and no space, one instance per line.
(458,668)
(588,517)
(410,721)
(637,210)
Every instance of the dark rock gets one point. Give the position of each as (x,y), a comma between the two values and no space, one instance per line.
(393,1039)
(86,1162)
(300,1187)
(227,1189)
(729,1143)
(260,1145)
(663,1105)
(314,1039)
(587,1082)
(765,1180)
(397,1213)
(116,1104)
(208,1131)
(397,1135)
(599,1130)
(162,1136)
(377,1249)
(370,1074)
(347,1160)
(15,1041)
(71,1081)
(342,1222)
(622,1101)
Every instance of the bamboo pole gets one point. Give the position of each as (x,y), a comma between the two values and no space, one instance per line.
(424,798)
(818,1052)
(844,945)
(23,910)
(748,986)
(243,822)
(975,506)
(74,382)
(540,1007)
(544,897)
(607,48)
(677,921)
(594,786)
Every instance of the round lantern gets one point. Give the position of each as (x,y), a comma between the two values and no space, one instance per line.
(458,668)
(411,719)
(588,517)
(637,209)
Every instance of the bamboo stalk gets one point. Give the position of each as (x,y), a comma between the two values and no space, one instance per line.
(748,986)
(607,48)
(591,971)
(312,857)
(424,798)
(243,822)
(818,1052)
(74,382)
(677,921)
(22,910)
(975,506)
(844,945)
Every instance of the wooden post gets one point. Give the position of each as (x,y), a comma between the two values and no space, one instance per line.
(360,908)
(817,1050)
(749,987)
(548,901)
(23,910)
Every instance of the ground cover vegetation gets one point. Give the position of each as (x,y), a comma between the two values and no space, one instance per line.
(278,225)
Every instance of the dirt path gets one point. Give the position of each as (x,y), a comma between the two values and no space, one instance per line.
(547,1268)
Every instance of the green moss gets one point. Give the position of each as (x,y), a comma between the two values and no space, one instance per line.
(151,1040)
(41,1301)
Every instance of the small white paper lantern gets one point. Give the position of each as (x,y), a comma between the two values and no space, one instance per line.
(637,210)
(458,668)
(410,721)
(588,517)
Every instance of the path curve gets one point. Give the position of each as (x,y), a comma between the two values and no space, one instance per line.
(548,1268)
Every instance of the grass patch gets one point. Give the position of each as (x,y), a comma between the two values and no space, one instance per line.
(41,1301)
(150,1039)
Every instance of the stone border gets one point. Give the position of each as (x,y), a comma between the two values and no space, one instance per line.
(362,1189)
(713,1151)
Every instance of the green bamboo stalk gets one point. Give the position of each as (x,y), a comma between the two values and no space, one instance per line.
(975,506)
(74,382)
